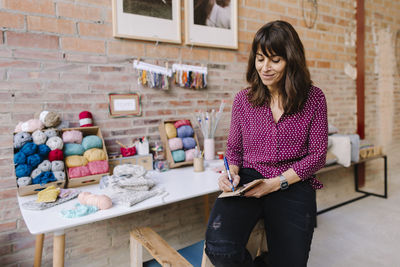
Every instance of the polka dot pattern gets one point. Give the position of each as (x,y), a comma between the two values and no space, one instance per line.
(297,141)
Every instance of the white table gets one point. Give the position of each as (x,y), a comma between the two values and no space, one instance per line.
(181,184)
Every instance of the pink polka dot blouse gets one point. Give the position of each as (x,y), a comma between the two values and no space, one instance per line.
(297,140)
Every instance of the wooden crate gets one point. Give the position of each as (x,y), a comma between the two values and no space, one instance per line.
(370,152)
(168,153)
(143,160)
(91,179)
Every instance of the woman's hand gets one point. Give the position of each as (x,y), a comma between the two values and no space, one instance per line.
(268,186)
(224,183)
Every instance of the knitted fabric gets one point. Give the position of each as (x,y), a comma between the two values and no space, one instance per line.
(79,211)
(48,194)
(29,149)
(56,154)
(39,137)
(92,141)
(43,150)
(129,170)
(64,196)
(50,133)
(185,131)
(19,158)
(44,178)
(75,161)
(98,167)
(76,172)
(24,181)
(188,143)
(175,143)
(55,142)
(21,139)
(71,149)
(180,123)
(95,154)
(45,166)
(170,130)
(178,155)
(72,136)
(57,165)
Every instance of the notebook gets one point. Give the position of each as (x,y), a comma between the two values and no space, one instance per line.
(241,190)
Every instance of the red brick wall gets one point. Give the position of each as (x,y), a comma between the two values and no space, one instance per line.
(61,56)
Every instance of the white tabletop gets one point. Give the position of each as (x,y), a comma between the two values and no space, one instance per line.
(181,184)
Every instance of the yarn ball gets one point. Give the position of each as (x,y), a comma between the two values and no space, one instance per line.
(43,150)
(175,143)
(57,165)
(44,178)
(178,155)
(21,139)
(72,136)
(60,176)
(23,170)
(170,130)
(71,149)
(185,131)
(18,127)
(45,166)
(95,154)
(24,181)
(55,142)
(50,118)
(33,160)
(98,166)
(189,154)
(50,133)
(102,202)
(32,125)
(76,172)
(29,148)
(56,154)
(39,137)
(85,119)
(75,161)
(180,123)
(92,141)
(19,158)
(36,172)
(188,143)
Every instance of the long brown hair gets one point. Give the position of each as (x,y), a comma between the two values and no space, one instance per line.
(279,38)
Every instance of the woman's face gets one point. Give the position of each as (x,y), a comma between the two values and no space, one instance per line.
(271,69)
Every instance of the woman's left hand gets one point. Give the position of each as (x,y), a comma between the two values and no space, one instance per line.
(268,186)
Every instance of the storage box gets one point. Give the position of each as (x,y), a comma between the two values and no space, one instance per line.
(168,153)
(369,152)
(91,179)
(143,160)
(35,188)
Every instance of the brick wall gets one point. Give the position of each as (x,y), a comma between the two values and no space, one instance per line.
(60,55)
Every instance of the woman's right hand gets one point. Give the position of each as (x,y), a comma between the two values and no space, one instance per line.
(224,183)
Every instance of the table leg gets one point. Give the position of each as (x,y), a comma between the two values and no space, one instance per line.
(206,208)
(58,249)
(38,250)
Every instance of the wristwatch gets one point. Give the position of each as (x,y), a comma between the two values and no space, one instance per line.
(284,182)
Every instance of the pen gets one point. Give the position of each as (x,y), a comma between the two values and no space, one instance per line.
(229,173)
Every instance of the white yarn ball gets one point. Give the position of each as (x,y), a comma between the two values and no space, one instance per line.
(35,173)
(57,165)
(39,137)
(45,166)
(59,175)
(55,142)
(24,181)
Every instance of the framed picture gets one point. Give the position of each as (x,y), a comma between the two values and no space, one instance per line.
(212,23)
(124,105)
(154,20)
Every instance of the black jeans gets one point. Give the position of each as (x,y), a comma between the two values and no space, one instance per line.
(289,219)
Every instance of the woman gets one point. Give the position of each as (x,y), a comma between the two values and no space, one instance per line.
(279,132)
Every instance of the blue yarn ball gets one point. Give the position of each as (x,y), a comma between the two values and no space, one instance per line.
(44,178)
(34,160)
(71,149)
(23,170)
(188,143)
(43,150)
(19,158)
(185,131)
(178,155)
(29,148)
(92,141)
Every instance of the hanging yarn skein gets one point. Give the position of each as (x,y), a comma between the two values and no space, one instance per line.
(152,76)
(189,76)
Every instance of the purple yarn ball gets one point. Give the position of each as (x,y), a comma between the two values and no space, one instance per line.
(185,131)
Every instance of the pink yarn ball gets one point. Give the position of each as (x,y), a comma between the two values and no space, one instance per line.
(102,202)
(175,143)
(98,166)
(77,172)
(72,137)
(189,154)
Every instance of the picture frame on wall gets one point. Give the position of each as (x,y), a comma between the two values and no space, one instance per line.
(211,23)
(152,20)
(124,105)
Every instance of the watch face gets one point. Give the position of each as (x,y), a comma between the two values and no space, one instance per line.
(284,185)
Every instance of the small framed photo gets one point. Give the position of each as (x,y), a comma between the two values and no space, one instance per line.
(124,105)
(154,20)
(212,23)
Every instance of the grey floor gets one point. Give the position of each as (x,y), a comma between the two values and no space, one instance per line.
(364,233)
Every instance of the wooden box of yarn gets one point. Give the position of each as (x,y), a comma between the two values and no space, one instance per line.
(89,179)
(32,189)
(179,141)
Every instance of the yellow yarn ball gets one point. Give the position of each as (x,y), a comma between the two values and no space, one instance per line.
(170,130)
(75,161)
(94,154)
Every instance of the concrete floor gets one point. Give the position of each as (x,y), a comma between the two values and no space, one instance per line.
(364,233)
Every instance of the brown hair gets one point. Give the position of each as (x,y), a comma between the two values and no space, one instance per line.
(279,38)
